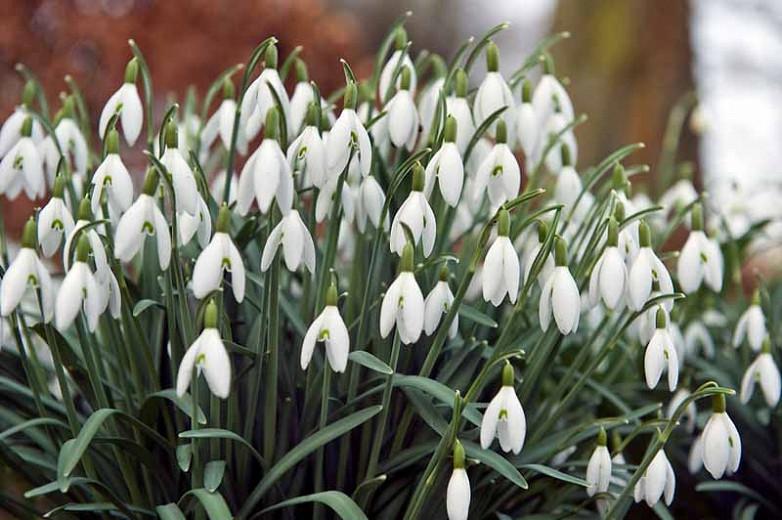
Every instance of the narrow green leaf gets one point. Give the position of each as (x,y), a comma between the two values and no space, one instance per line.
(497,462)
(184,403)
(170,512)
(553,473)
(32,423)
(213,503)
(342,504)
(437,390)
(217,433)
(472,314)
(365,359)
(143,305)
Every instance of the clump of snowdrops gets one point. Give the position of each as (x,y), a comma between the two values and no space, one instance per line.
(404,299)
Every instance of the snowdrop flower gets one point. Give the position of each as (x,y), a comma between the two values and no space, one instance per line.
(598,473)
(550,94)
(556,130)
(430,97)
(659,352)
(26,272)
(695,457)
(348,136)
(499,171)
(658,481)
(303,96)
(569,186)
(403,303)
(402,114)
(182,177)
(113,179)
(84,218)
(457,107)
(721,441)
(764,371)
(678,196)
(330,329)
(628,235)
(527,126)
(11,131)
(217,187)
(207,354)
(393,65)
(501,268)
(457,498)
(72,144)
(259,99)
(609,276)
(690,412)
(79,290)
(199,225)
(437,304)
(219,256)
(222,123)
(560,295)
(504,417)
(645,270)
(494,94)
(54,220)
(700,259)
(21,168)
(369,204)
(697,335)
(297,244)
(532,253)
(127,103)
(307,153)
(446,166)
(751,325)
(415,214)
(143,219)
(266,174)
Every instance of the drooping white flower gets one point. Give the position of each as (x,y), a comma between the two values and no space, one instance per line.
(437,304)
(199,225)
(266,176)
(71,142)
(527,127)
(297,245)
(307,156)
(127,103)
(690,412)
(428,100)
(113,179)
(609,276)
(403,303)
(348,136)
(700,259)
(219,256)
(504,417)
(97,250)
(22,167)
(329,328)
(369,204)
(303,96)
(217,187)
(554,133)
(446,167)
(499,171)
(143,219)
(677,196)
(752,325)
(598,473)
(207,354)
(416,215)
(54,221)
(494,94)
(661,355)
(79,291)
(569,190)
(697,336)
(457,495)
(11,131)
(26,272)
(501,269)
(221,124)
(721,441)
(695,457)
(457,107)
(657,481)
(532,252)
(764,371)
(262,95)
(182,176)
(328,195)
(647,269)
(398,59)
(402,114)
(550,94)
(560,295)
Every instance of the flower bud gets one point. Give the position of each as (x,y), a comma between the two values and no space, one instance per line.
(400,39)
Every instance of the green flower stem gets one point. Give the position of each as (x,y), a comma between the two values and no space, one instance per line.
(30,363)
(196,468)
(324,413)
(273,349)
(146,80)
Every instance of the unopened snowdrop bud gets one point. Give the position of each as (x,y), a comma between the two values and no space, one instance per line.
(402,114)
(499,171)
(393,65)
(764,371)
(347,136)
(646,269)
(457,499)
(307,153)
(112,179)
(527,126)
(79,291)
(598,473)
(494,94)
(446,167)
(504,417)
(22,167)
(661,354)
(501,269)
(10,133)
(609,276)
(533,252)
(437,304)
(182,177)
(751,325)
(690,412)
(700,259)
(207,354)
(330,329)
(403,302)
(658,481)
(54,220)
(219,256)
(26,272)
(127,103)
(141,220)
(297,245)
(416,215)
(560,295)
(721,441)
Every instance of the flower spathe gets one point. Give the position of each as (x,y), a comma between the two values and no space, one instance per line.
(501,269)
(504,417)
(207,355)
(657,481)
(328,328)
(26,272)
(560,296)
(403,303)
(297,245)
(598,473)
(721,441)
(765,372)
(127,103)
